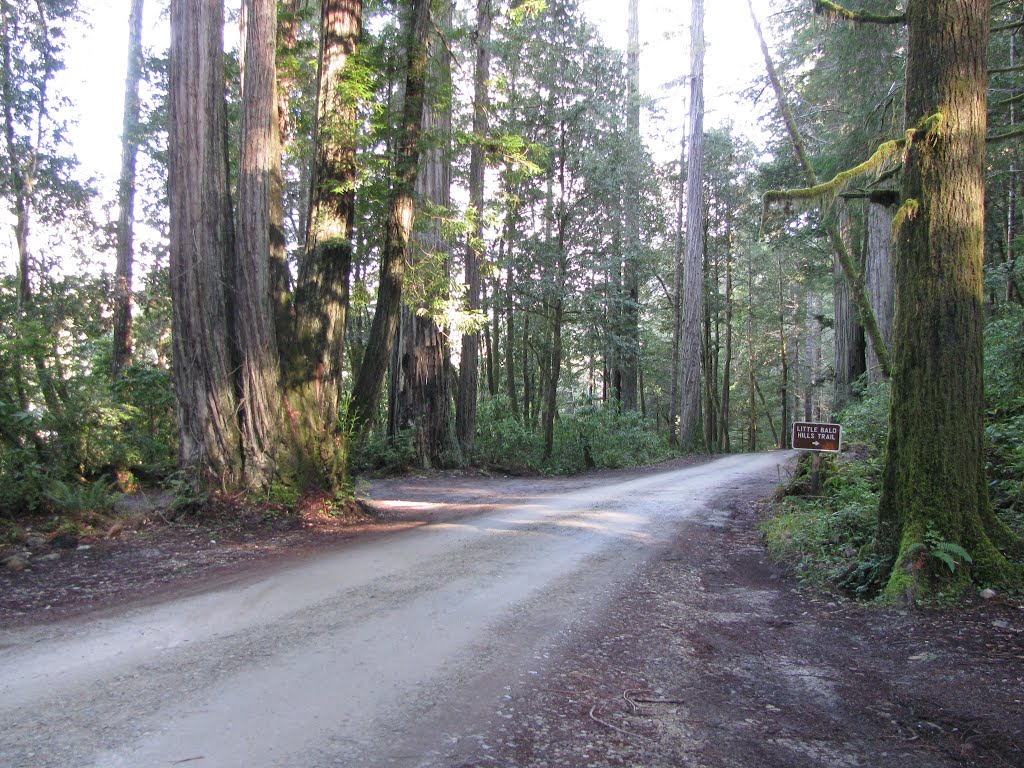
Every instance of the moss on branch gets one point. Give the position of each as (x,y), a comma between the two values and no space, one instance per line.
(880,164)
(834,11)
(828,191)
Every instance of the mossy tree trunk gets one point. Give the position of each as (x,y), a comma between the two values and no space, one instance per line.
(315,356)
(934,484)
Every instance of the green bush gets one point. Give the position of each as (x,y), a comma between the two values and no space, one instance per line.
(826,537)
(1004,395)
(501,438)
(383,453)
(601,437)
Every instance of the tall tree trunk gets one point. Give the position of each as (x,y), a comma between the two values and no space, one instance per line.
(422,395)
(677,305)
(123,344)
(314,361)
(782,438)
(879,278)
(510,327)
(934,481)
(724,444)
(693,277)
(751,378)
(259,198)
(201,244)
(629,349)
(813,355)
(398,232)
(849,333)
(465,411)
(1012,290)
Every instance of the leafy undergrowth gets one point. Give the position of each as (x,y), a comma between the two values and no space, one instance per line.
(824,529)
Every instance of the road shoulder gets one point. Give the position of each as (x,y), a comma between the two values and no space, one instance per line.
(711,657)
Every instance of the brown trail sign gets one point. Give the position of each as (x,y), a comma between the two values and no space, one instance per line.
(809,436)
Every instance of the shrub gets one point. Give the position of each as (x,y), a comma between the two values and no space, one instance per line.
(501,438)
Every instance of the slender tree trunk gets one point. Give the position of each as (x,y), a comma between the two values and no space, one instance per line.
(465,411)
(849,333)
(201,244)
(879,278)
(677,306)
(1012,290)
(813,355)
(693,278)
(398,233)
(123,344)
(629,349)
(724,444)
(782,437)
(934,481)
(751,380)
(510,338)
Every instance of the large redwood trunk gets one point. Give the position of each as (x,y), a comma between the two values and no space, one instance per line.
(201,244)
(421,397)
(259,197)
(314,361)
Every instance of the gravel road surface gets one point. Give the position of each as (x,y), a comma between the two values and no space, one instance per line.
(386,651)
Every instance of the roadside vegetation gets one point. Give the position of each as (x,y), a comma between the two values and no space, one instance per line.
(824,528)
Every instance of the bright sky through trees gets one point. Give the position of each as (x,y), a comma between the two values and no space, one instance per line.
(94,79)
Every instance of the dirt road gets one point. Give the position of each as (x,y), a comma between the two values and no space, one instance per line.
(380,653)
(625,621)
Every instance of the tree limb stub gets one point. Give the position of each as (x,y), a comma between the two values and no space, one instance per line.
(832,11)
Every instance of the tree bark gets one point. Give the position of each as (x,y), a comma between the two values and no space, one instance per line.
(693,277)
(259,196)
(465,411)
(724,444)
(677,305)
(629,349)
(421,396)
(316,352)
(879,279)
(123,344)
(398,233)
(934,482)
(201,244)
(849,333)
